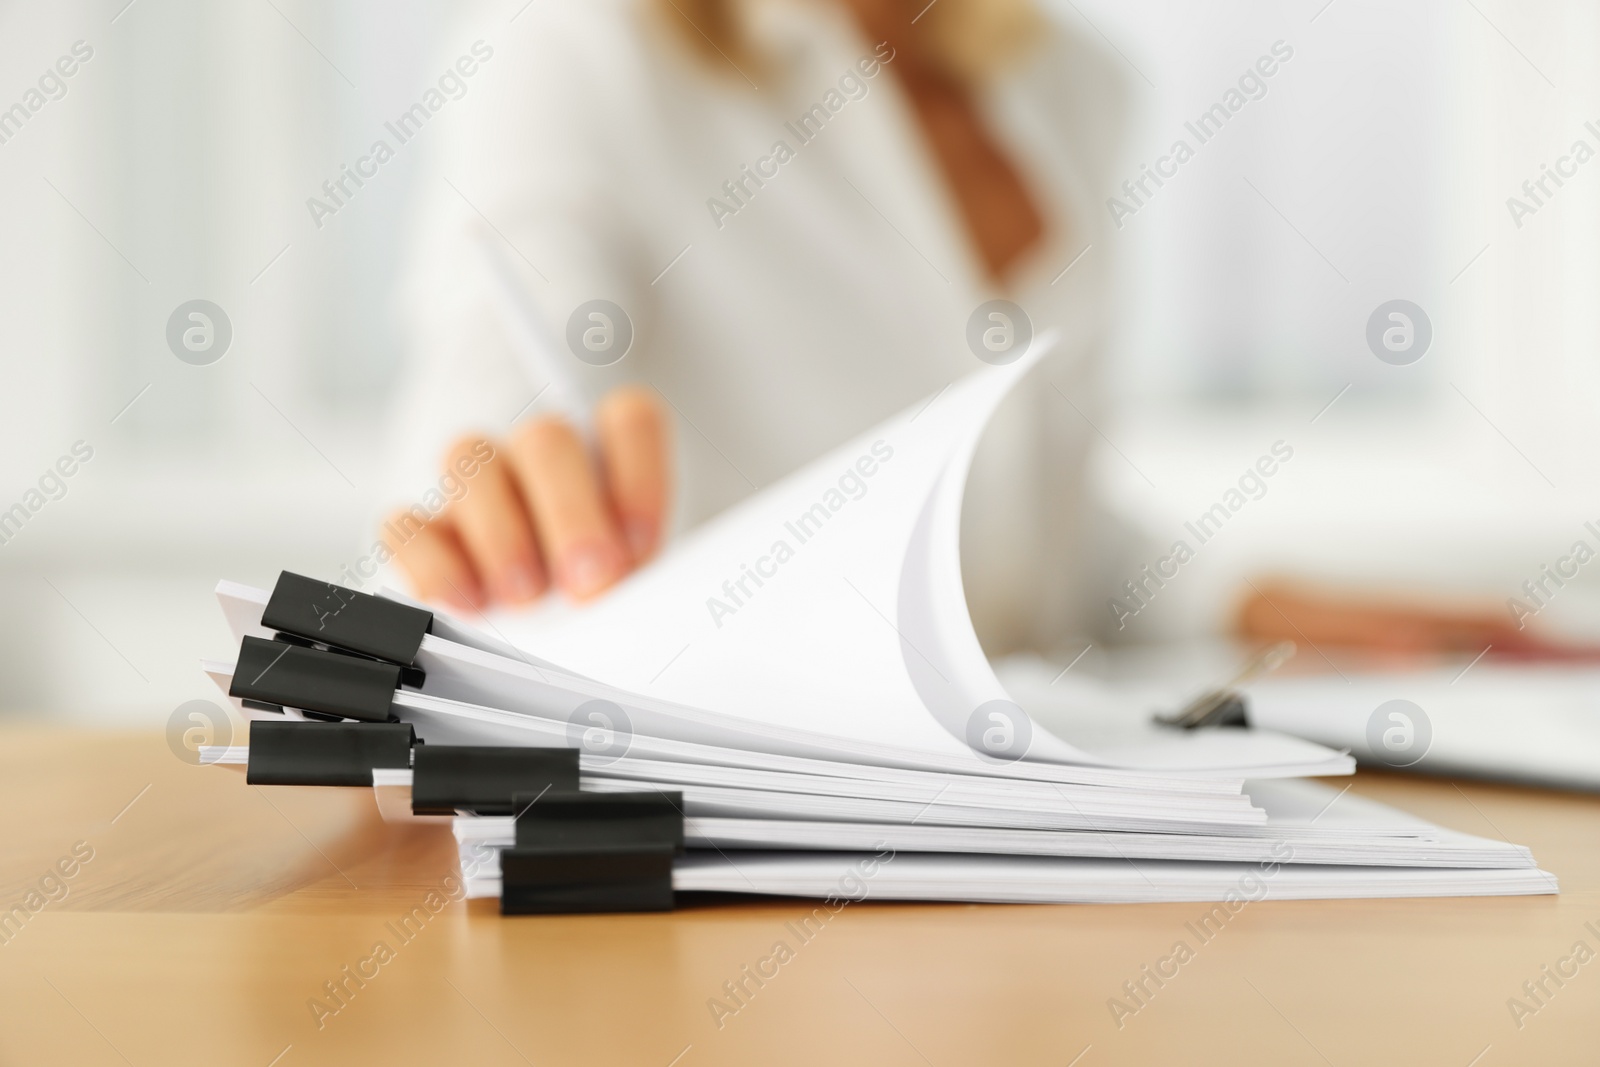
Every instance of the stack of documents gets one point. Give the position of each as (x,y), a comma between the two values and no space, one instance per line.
(802,677)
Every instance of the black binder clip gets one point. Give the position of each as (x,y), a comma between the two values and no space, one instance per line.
(1225,705)
(277,674)
(341,618)
(486,779)
(592,852)
(334,753)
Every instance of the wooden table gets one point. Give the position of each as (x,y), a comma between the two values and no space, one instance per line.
(212,913)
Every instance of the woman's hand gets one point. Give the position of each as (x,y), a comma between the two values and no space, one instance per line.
(543,506)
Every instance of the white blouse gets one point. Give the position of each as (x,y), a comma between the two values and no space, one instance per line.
(794,266)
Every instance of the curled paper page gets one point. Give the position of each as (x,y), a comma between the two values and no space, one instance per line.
(832,602)
(786,609)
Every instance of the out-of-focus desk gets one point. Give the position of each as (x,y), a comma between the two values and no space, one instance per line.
(212,913)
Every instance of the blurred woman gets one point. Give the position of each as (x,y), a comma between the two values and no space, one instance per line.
(797,205)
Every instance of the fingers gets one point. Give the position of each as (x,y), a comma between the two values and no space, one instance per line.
(637,458)
(431,554)
(540,508)
(494,528)
(571,516)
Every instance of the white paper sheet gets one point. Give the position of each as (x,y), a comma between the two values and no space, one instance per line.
(1305,823)
(1049,880)
(832,603)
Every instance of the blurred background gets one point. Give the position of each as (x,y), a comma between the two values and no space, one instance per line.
(175,162)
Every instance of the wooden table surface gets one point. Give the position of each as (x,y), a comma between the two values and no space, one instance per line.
(211,914)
